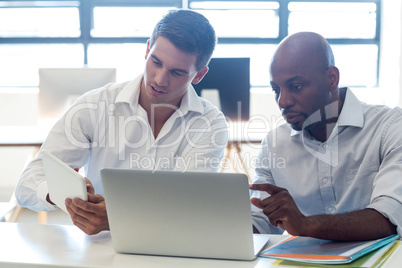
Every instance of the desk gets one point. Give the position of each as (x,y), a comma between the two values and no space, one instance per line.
(36,245)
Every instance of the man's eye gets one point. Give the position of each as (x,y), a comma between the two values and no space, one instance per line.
(275,90)
(296,87)
(174,73)
(157,63)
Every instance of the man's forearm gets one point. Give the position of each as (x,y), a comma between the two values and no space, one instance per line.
(364,224)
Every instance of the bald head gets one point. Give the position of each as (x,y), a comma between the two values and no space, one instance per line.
(304,78)
(305,48)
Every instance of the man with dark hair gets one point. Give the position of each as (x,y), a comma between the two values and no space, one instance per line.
(178,30)
(154,122)
(342,172)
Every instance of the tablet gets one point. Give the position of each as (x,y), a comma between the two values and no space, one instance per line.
(63,181)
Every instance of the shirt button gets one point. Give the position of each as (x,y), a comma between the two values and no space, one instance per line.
(325,180)
(325,146)
(331,210)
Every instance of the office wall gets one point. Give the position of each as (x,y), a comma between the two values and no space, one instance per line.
(17,107)
(399,24)
(390,54)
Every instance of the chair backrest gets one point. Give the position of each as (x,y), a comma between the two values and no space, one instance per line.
(60,87)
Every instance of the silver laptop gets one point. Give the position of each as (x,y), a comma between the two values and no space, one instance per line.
(191,214)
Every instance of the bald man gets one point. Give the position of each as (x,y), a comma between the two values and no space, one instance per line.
(334,171)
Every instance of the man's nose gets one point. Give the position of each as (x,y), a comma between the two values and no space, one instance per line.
(285,99)
(162,78)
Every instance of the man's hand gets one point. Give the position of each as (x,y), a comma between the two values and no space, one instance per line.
(90,216)
(280,209)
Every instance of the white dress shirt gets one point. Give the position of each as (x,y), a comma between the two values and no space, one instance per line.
(359,166)
(107,128)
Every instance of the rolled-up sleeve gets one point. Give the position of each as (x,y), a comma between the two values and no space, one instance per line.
(387,188)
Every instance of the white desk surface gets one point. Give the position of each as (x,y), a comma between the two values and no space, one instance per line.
(36,245)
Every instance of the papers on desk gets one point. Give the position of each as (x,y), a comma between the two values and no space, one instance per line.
(319,251)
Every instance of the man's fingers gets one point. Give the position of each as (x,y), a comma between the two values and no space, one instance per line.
(90,187)
(269,188)
(75,212)
(95,198)
(78,220)
(90,216)
(275,217)
(76,205)
(256,202)
(84,207)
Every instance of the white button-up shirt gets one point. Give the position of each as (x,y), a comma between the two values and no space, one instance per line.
(108,128)
(359,166)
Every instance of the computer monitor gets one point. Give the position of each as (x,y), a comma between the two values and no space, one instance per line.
(60,87)
(230,77)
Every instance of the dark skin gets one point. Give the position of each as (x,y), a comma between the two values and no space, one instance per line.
(305,81)
(282,212)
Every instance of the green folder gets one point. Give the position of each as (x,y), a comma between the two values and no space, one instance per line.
(319,251)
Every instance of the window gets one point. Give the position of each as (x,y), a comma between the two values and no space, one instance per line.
(125,21)
(334,19)
(241,19)
(254,28)
(110,33)
(39,19)
(20,62)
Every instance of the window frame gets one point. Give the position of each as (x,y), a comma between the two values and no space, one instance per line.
(86,24)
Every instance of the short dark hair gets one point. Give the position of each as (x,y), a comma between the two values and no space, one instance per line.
(188,31)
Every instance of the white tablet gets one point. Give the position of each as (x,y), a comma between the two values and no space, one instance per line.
(63,181)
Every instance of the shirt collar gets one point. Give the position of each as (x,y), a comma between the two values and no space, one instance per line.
(191,102)
(131,93)
(351,114)
(352,111)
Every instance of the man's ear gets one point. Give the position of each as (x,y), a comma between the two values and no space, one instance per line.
(148,49)
(198,77)
(333,77)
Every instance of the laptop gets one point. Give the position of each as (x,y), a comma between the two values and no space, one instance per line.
(191,214)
